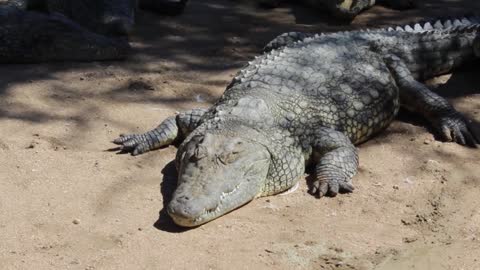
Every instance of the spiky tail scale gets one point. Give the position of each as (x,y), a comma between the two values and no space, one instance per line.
(431,48)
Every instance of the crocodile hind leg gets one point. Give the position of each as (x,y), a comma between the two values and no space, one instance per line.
(416,97)
(170,130)
(336,165)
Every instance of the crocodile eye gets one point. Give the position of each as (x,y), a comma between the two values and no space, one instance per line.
(235,147)
(238,147)
(231,152)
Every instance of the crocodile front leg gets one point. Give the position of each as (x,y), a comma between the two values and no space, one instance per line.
(416,97)
(337,162)
(172,129)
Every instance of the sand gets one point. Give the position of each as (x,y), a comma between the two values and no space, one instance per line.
(66,202)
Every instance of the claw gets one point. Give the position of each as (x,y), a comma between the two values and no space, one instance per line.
(123,138)
(458,136)
(323,189)
(118,140)
(455,129)
(331,187)
(347,187)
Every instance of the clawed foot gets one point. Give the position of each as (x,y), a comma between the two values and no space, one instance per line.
(331,185)
(454,128)
(135,144)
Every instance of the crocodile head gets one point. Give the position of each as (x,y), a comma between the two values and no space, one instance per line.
(217,174)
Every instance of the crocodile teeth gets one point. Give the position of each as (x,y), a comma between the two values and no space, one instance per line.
(408,28)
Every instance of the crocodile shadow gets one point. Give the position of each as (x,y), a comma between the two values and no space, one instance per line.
(167,187)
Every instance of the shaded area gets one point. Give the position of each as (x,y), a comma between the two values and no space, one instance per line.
(167,187)
(210,37)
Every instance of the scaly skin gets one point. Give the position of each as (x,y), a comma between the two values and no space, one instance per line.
(344,9)
(309,100)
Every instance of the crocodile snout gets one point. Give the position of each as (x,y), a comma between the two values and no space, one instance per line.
(187,212)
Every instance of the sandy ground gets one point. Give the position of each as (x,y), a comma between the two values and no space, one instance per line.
(68,203)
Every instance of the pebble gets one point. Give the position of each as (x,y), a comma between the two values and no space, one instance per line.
(76,221)
(409,239)
(30,146)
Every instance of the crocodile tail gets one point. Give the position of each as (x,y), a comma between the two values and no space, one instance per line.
(452,24)
(434,47)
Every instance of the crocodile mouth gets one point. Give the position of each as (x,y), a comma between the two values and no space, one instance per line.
(212,213)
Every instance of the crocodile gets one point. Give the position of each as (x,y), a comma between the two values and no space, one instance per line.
(343,9)
(70,30)
(309,103)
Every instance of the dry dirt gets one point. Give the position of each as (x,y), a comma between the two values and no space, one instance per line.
(68,203)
